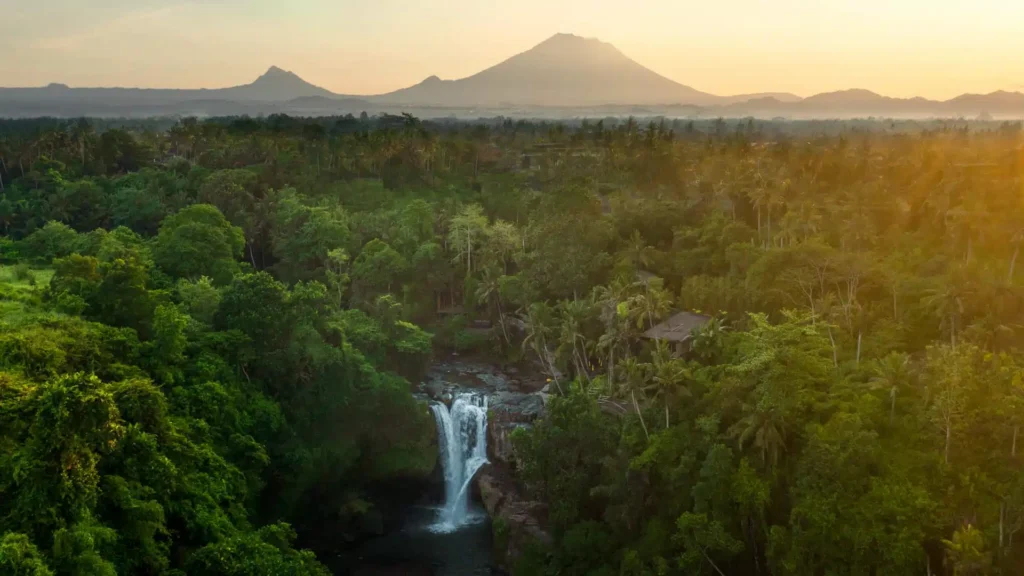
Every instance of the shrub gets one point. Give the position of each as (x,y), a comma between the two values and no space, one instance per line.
(8,250)
(23,273)
(467,341)
(54,240)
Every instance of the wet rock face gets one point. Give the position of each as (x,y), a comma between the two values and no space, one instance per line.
(511,396)
(516,520)
(499,441)
(519,407)
(514,400)
(456,372)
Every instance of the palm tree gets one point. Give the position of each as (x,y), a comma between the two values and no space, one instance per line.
(468,228)
(637,252)
(776,196)
(759,196)
(572,342)
(614,336)
(489,290)
(993,331)
(947,300)
(668,377)
(1016,242)
(5,152)
(892,373)
(334,266)
(709,338)
(539,329)
(766,430)
(81,132)
(613,303)
(653,303)
(636,378)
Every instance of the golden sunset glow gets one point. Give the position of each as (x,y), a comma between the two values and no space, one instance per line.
(936,49)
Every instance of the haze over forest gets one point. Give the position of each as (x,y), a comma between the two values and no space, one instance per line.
(564,76)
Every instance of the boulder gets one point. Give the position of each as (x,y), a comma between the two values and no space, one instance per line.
(517,406)
(434,389)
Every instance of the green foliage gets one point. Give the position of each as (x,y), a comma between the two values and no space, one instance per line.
(304,236)
(703,540)
(562,454)
(78,550)
(256,306)
(165,350)
(23,273)
(499,535)
(966,552)
(266,552)
(54,240)
(377,268)
(19,557)
(200,299)
(250,305)
(113,292)
(198,241)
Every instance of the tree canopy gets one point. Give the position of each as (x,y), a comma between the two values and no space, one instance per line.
(210,331)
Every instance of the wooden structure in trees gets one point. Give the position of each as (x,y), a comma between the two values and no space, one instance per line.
(678,329)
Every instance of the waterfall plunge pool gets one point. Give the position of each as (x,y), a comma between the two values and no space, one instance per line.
(419,549)
(452,538)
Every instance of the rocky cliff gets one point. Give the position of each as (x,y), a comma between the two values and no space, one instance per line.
(517,521)
(515,400)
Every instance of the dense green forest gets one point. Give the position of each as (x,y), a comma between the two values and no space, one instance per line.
(209,329)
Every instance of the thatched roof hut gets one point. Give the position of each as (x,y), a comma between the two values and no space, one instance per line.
(678,328)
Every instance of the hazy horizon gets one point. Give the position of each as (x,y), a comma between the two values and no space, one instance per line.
(932,49)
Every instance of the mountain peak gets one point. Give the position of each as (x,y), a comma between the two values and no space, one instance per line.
(275,72)
(571,43)
(563,70)
(276,85)
(566,37)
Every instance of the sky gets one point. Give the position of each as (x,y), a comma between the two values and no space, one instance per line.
(900,48)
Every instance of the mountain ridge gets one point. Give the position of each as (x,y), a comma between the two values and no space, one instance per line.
(564,71)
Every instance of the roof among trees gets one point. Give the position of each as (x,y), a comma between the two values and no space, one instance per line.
(677,328)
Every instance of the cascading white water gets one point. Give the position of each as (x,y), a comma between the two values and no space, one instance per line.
(462,440)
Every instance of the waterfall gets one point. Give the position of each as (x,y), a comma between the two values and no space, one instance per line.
(462,441)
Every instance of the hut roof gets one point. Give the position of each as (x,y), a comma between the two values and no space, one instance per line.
(678,327)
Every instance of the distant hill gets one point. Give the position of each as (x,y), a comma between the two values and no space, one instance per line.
(566,75)
(276,86)
(864,103)
(999,102)
(779,96)
(564,70)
